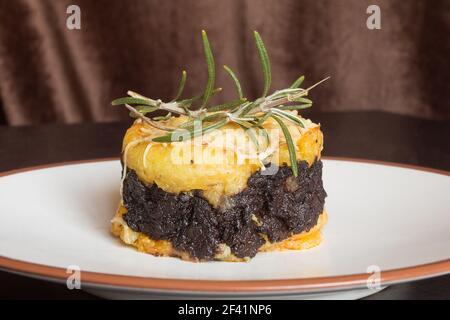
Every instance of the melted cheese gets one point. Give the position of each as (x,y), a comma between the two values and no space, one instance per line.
(219,163)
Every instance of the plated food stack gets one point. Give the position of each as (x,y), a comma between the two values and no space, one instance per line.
(221,182)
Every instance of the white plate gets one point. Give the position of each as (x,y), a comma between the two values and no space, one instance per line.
(381,217)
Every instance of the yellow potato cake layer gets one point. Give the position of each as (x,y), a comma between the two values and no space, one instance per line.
(219,163)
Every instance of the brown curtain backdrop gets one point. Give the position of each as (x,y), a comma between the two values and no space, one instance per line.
(51,74)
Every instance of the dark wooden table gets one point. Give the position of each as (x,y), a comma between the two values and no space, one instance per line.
(369,135)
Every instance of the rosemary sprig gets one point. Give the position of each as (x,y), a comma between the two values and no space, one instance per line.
(189,102)
(287,98)
(147,120)
(289,116)
(264,61)
(204,118)
(181,86)
(211,69)
(236,81)
(290,145)
(297,82)
(173,107)
(227,105)
(249,115)
(264,118)
(131,100)
(304,100)
(163,118)
(249,129)
(296,107)
(190,132)
(143,110)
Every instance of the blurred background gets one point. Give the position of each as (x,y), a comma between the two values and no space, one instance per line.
(50,74)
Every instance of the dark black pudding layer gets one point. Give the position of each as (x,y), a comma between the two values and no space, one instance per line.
(283,205)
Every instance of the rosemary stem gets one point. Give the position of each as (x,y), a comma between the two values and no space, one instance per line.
(147,120)
(268,104)
(317,83)
(174,108)
(169,106)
